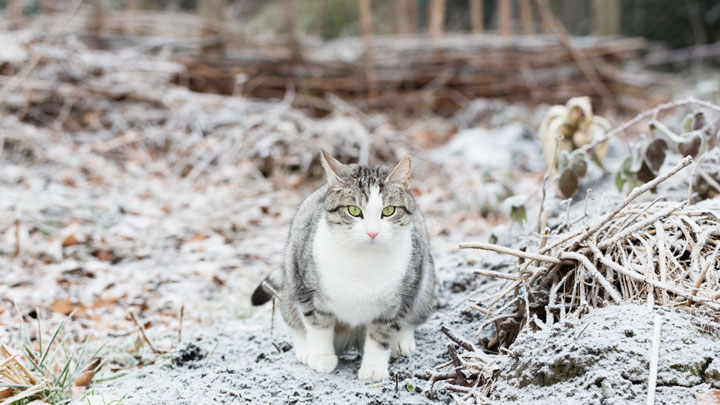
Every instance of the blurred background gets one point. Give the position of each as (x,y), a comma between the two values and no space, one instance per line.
(406,55)
(152,153)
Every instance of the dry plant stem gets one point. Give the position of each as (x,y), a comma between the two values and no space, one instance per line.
(142,332)
(662,257)
(708,264)
(18,369)
(711,181)
(435,377)
(630,198)
(180,326)
(649,114)
(594,273)
(512,252)
(457,339)
(652,381)
(496,274)
(638,277)
(640,225)
(16,253)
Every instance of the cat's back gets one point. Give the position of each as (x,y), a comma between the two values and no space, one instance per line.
(304,226)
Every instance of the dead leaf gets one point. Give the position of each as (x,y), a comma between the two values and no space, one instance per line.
(104,255)
(83,380)
(62,306)
(711,397)
(198,237)
(104,300)
(6,393)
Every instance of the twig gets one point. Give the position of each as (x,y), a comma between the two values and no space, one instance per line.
(180,323)
(207,360)
(16,253)
(640,225)
(662,257)
(435,377)
(457,339)
(654,353)
(649,114)
(512,252)
(594,273)
(496,274)
(144,336)
(633,195)
(638,277)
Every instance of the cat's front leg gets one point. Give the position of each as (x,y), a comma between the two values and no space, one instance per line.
(376,351)
(320,328)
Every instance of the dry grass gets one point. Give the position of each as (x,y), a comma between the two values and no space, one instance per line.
(47,373)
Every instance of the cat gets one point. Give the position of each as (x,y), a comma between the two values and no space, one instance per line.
(358,269)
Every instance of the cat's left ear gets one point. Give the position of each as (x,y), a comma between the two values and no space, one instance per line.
(400,174)
(333,168)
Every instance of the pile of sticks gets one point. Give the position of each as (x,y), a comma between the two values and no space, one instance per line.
(445,72)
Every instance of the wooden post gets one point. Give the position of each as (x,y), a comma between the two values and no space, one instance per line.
(476,16)
(436,18)
(15,8)
(401,16)
(97,19)
(367,30)
(606,17)
(412,16)
(526,17)
(319,15)
(292,42)
(213,13)
(365,20)
(505,15)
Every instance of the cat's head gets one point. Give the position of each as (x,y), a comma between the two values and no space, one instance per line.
(368,205)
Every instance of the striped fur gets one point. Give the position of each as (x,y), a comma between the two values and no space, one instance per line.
(341,287)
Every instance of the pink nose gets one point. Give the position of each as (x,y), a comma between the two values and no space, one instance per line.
(372,235)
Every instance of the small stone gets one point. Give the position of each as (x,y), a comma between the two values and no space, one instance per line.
(607,389)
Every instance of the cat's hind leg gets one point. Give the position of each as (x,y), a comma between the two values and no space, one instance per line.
(299,338)
(405,342)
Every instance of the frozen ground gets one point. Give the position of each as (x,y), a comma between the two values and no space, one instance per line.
(242,362)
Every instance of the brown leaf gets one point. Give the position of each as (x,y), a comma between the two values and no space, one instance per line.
(104,255)
(69,240)
(62,306)
(198,237)
(6,393)
(711,397)
(84,379)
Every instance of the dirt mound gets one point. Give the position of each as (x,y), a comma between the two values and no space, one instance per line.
(604,357)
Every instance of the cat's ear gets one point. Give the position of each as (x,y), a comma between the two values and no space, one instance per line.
(332,167)
(400,174)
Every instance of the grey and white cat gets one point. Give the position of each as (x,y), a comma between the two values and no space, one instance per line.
(358,269)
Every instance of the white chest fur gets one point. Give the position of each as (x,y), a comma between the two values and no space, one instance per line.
(360,280)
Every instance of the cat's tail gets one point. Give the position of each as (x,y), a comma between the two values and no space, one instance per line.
(267,289)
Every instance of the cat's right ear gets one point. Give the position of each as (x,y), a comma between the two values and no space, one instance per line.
(332,167)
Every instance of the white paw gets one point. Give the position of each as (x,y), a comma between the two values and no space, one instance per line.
(405,343)
(322,363)
(370,372)
(404,346)
(301,352)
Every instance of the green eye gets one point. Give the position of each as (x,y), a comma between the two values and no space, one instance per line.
(354,210)
(387,211)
